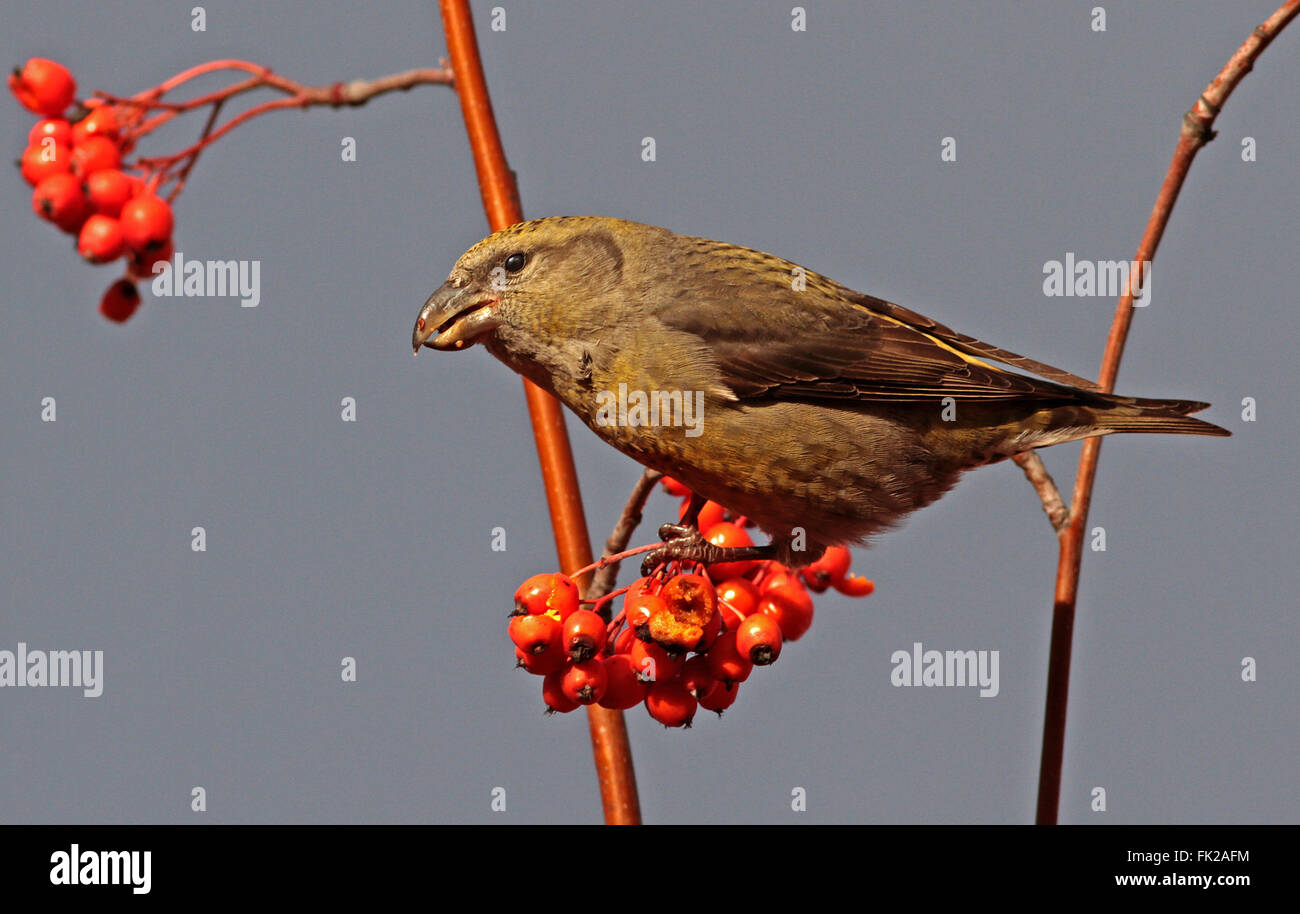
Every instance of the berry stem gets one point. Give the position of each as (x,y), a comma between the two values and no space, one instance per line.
(298,95)
(166,162)
(601,603)
(606,561)
(611,631)
(189,165)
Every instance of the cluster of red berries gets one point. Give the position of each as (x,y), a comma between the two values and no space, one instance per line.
(683,640)
(74,165)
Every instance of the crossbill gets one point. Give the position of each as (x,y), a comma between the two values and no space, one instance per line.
(823,414)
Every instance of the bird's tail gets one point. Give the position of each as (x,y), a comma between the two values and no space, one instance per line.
(1139,414)
(1090,414)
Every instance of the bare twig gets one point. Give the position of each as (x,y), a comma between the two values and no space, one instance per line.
(603,581)
(1196,132)
(355,92)
(189,166)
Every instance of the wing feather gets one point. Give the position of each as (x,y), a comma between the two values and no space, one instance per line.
(830,342)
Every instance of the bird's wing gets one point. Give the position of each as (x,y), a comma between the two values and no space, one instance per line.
(968,344)
(834,344)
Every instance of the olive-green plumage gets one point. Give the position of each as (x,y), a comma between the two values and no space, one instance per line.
(823,409)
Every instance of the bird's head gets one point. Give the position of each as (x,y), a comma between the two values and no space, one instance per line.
(544,279)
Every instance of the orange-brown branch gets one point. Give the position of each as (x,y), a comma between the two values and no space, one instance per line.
(610,748)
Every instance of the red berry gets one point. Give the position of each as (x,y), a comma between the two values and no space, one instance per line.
(59,199)
(120,301)
(530,596)
(101,121)
(712,513)
(75,220)
(140,264)
(835,560)
(585,682)
(553,693)
(54,127)
(623,643)
(540,593)
(786,581)
(790,606)
(737,598)
(108,190)
(691,596)
(96,153)
(855,586)
(696,677)
(534,634)
(624,690)
(726,663)
(759,639)
(48,157)
(720,697)
(777,575)
(670,704)
(828,569)
(548,661)
(690,604)
(584,634)
(100,240)
(673,487)
(43,86)
(652,663)
(712,629)
(640,606)
(728,535)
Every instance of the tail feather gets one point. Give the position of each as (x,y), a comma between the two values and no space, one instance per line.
(1135,414)
(1086,414)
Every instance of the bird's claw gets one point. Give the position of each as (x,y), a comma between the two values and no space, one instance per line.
(669,532)
(685,543)
(681,541)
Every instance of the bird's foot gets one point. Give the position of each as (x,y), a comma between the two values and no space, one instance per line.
(684,543)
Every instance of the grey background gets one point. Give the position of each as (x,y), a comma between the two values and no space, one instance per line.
(371,539)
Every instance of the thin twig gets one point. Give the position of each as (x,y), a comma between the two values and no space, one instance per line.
(628,521)
(146,111)
(354,92)
(167,162)
(1053,505)
(1196,132)
(185,172)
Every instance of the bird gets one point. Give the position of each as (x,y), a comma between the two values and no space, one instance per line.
(822,414)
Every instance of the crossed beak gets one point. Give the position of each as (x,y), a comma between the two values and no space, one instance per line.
(454,318)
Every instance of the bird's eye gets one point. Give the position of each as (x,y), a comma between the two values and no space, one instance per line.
(515,262)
